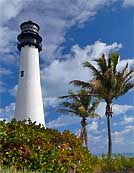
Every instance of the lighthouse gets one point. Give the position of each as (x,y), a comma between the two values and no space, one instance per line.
(29,103)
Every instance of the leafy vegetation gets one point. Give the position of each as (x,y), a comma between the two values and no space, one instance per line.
(26,147)
(32,147)
(117,163)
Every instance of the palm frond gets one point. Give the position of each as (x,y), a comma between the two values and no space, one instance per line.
(109,61)
(115,58)
(102,64)
(81,83)
(73,96)
(128,80)
(63,97)
(66,104)
(70,95)
(96,73)
(94,115)
(124,69)
(85,98)
(62,110)
(122,83)
(130,75)
(126,88)
(94,105)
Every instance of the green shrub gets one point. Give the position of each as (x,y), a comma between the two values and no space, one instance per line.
(117,163)
(29,148)
(24,145)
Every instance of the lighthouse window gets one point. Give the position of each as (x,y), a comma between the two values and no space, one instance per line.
(22,73)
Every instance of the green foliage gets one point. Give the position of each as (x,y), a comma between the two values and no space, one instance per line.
(117,163)
(24,145)
(108,83)
(79,104)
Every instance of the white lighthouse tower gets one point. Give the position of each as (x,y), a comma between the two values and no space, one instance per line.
(29,102)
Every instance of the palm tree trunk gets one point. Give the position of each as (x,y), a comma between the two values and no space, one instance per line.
(84,132)
(85,136)
(109,137)
(109,115)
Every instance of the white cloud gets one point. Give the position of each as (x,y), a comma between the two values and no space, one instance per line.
(4,71)
(119,136)
(58,74)
(51,102)
(63,121)
(120,133)
(6,36)
(118,140)
(115,124)
(119,109)
(98,141)
(127,120)
(56,24)
(9,9)
(130,127)
(101,109)
(95,50)
(128,3)
(53,17)
(122,64)
(2,87)
(13,91)
(93,126)
(7,112)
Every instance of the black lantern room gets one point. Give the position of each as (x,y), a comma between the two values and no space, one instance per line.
(29,35)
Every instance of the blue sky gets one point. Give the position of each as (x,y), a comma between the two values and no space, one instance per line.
(73,31)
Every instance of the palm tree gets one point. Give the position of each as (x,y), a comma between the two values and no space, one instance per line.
(80,104)
(108,83)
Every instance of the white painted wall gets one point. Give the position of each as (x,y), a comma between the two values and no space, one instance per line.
(29,102)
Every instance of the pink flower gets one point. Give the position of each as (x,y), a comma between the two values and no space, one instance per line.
(27,153)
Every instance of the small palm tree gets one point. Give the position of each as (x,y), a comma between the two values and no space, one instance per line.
(80,105)
(108,83)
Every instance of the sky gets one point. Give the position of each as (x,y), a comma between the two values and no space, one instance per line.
(73,31)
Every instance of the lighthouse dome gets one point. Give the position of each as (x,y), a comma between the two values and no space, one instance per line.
(29,27)
(29,35)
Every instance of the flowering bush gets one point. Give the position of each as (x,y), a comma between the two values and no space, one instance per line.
(25,145)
